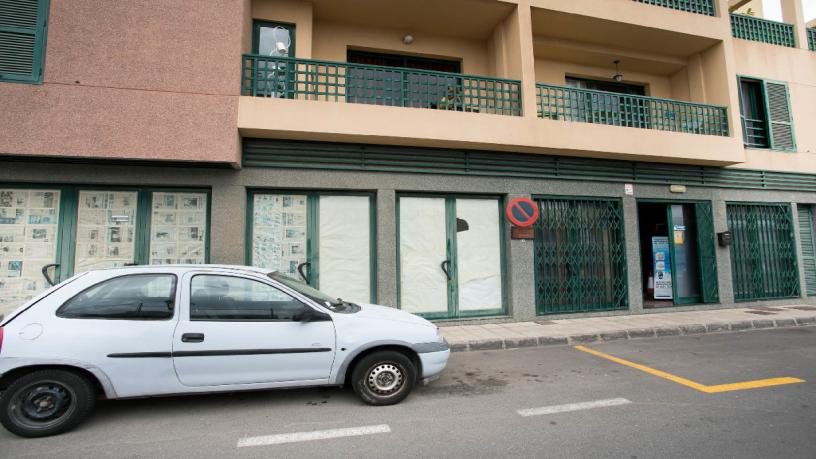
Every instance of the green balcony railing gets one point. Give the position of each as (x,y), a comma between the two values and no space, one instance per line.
(309,79)
(756,29)
(614,109)
(692,6)
(811,34)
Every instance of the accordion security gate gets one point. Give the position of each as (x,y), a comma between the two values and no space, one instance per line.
(580,256)
(763,253)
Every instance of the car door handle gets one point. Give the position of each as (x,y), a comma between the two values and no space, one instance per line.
(192,338)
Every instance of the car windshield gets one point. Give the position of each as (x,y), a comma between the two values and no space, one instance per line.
(312,293)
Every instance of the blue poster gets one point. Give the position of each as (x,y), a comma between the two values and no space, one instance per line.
(662,268)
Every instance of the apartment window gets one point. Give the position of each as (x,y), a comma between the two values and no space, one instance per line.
(23,26)
(381,86)
(274,76)
(767,120)
(611,109)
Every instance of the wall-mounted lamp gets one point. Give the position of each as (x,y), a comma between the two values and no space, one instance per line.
(618,76)
(408,39)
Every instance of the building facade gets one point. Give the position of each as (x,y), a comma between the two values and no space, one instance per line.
(371,147)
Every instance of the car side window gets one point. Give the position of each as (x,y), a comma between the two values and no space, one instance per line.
(133,297)
(218,298)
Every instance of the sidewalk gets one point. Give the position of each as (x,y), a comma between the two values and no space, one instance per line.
(576,331)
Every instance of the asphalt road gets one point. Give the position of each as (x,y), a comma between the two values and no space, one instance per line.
(473,410)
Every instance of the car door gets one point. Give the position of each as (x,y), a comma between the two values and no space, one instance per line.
(241,329)
(123,325)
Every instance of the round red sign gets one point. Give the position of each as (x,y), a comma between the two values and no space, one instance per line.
(522,212)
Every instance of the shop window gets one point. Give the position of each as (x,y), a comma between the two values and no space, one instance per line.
(23,29)
(767,120)
(28,241)
(580,256)
(75,230)
(450,256)
(763,251)
(325,239)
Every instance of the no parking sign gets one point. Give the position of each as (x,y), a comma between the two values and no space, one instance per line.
(522,212)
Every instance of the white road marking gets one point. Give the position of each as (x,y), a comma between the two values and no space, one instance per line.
(573,407)
(315,435)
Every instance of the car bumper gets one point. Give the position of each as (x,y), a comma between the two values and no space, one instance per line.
(433,363)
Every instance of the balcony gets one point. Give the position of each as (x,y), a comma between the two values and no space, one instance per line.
(762,30)
(811,34)
(342,82)
(691,6)
(614,109)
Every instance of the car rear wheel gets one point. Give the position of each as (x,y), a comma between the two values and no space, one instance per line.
(384,378)
(46,402)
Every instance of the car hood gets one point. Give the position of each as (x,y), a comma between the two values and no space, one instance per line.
(374,311)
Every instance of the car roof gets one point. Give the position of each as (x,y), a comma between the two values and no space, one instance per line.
(142,268)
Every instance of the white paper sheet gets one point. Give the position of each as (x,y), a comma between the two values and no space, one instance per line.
(479,255)
(106,230)
(344,247)
(422,240)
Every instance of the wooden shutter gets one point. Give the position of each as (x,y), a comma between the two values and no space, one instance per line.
(22,39)
(779,116)
(808,247)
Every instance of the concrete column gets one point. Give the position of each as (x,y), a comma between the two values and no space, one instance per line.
(633,265)
(723,254)
(228,224)
(523,39)
(520,268)
(386,248)
(793,13)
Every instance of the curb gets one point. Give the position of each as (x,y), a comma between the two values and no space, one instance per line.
(635,333)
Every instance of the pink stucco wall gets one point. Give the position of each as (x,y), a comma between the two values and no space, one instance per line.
(155,79)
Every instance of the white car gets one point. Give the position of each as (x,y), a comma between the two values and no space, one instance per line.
(160,330)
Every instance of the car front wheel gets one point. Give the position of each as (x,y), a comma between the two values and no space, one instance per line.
(384,377)
(46,402)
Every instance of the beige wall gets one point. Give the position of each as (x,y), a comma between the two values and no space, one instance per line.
(295,12)
(148,80)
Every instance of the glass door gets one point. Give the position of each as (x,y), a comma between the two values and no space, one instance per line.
(450,256)
(684,260)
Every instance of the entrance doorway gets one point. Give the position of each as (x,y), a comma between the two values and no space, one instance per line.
(678,262)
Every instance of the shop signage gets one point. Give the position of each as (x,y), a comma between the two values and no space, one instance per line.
(662,268)
(522,212)
(518,232)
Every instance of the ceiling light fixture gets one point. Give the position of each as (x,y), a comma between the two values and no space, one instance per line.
(618,76)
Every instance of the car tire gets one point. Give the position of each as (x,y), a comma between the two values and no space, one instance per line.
(384,378)
(46,402)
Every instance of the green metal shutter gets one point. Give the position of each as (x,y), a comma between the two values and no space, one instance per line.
(763,252)
(808,247)
(780,117)
(22,39)
(707,253)
(580,256)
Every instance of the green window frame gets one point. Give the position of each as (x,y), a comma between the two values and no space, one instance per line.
(23,31)
(775,131)
(313,230)
(452,253)
(68,216)
(257,24)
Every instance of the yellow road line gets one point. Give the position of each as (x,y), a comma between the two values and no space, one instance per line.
(689,383)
